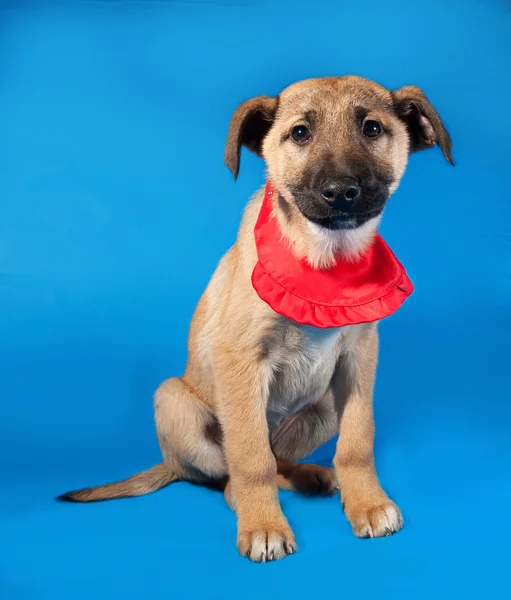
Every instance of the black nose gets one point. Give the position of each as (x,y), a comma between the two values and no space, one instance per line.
(341,193)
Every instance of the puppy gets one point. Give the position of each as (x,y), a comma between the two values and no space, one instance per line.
(261,390)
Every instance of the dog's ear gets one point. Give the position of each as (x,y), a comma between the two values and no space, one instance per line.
(249,125)
(424,126)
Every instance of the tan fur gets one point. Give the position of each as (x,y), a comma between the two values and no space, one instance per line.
(259,390)
(137,485)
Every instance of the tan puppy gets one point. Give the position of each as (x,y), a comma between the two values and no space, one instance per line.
(260,390)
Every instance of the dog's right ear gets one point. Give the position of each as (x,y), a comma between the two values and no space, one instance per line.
(249,125)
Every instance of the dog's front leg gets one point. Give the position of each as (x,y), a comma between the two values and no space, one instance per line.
(366,505)
(242,396)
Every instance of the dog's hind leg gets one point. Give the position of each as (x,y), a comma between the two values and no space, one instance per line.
(188,434)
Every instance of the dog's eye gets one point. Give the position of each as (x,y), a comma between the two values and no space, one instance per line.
(371,128)
(301,134)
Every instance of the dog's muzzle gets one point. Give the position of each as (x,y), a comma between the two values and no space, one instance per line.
(341,203)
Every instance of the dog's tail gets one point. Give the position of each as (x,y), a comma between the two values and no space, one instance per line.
(137,485)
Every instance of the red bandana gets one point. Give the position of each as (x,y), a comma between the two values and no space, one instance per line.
(348,293)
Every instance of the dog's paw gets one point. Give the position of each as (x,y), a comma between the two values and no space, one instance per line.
(266,544)
(314,480)
(375,521)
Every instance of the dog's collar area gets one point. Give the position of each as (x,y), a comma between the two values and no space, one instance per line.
(348,293)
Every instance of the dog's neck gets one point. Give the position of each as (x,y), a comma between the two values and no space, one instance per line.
(320,247)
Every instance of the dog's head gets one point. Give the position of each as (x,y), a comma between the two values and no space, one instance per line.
(336,149)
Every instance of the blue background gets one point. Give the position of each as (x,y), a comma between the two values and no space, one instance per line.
(114,210)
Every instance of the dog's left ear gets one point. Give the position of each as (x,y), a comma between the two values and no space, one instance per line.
(249,125)
(424,126)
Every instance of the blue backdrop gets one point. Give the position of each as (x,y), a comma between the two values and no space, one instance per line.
(113,117)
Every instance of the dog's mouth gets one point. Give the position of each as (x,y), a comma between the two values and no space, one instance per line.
(343,220)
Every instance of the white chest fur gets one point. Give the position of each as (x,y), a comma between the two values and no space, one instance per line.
(302,366)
